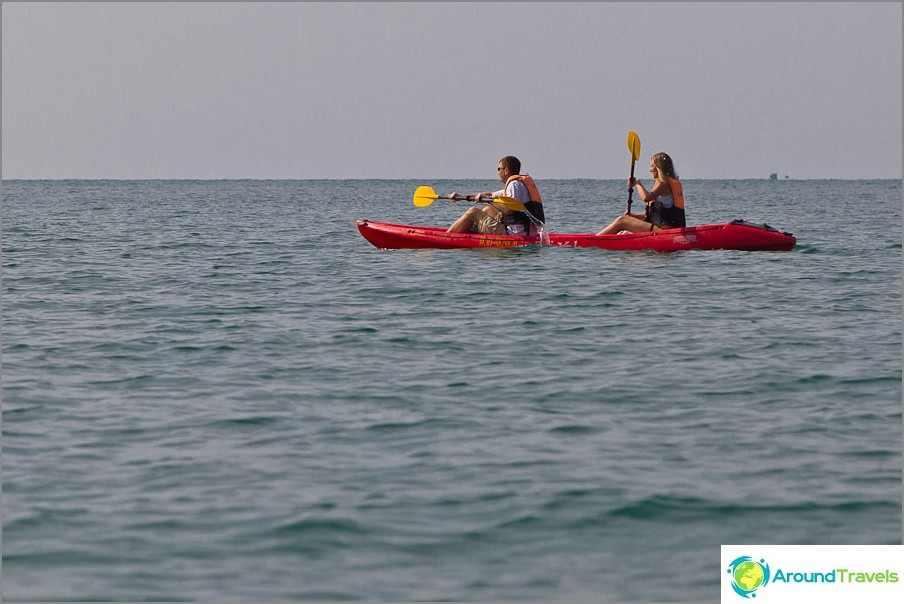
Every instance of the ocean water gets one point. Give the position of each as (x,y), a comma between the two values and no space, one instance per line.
(219,391)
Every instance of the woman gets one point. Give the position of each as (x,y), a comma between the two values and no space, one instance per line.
(665,201)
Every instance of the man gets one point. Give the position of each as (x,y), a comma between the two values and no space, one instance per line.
(495,217)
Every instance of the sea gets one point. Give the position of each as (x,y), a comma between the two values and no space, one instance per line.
(219,391)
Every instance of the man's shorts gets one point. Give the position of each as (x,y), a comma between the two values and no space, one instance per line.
(490,225)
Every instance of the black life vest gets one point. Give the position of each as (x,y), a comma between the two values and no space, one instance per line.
(672,217)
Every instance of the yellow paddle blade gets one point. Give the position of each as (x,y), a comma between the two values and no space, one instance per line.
(512,203)
(424,196)
(634,145)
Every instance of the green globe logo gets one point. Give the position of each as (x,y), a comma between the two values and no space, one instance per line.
(748,575)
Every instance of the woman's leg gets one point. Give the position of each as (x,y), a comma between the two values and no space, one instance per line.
(626,222)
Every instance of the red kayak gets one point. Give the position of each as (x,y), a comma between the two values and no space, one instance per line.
(735,235)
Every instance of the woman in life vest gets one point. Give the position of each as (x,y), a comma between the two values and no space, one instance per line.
(665,201)
(497,218)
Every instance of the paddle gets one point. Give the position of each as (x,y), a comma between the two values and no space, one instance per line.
(634,148)
(424,196)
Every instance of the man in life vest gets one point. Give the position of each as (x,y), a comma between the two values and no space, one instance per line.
(665,201)
(497,218)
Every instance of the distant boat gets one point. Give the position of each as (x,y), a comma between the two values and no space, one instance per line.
(773,176)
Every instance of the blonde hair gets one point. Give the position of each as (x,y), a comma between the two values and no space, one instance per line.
(665,166)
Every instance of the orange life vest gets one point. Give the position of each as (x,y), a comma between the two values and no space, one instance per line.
(534,206)
(677,192)
(528,182)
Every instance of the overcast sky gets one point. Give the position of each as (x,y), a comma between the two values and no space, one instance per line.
(442,90)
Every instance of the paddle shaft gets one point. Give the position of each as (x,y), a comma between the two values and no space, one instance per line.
(634,148)
(424,196)
(630,187)
(506,201)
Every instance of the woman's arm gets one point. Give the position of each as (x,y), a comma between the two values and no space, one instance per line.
(660,188)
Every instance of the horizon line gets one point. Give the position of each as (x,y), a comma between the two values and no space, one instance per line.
(108,178)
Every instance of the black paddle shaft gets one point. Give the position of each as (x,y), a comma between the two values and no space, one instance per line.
(630,187)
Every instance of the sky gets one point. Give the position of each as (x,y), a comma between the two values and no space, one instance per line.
(443,90)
